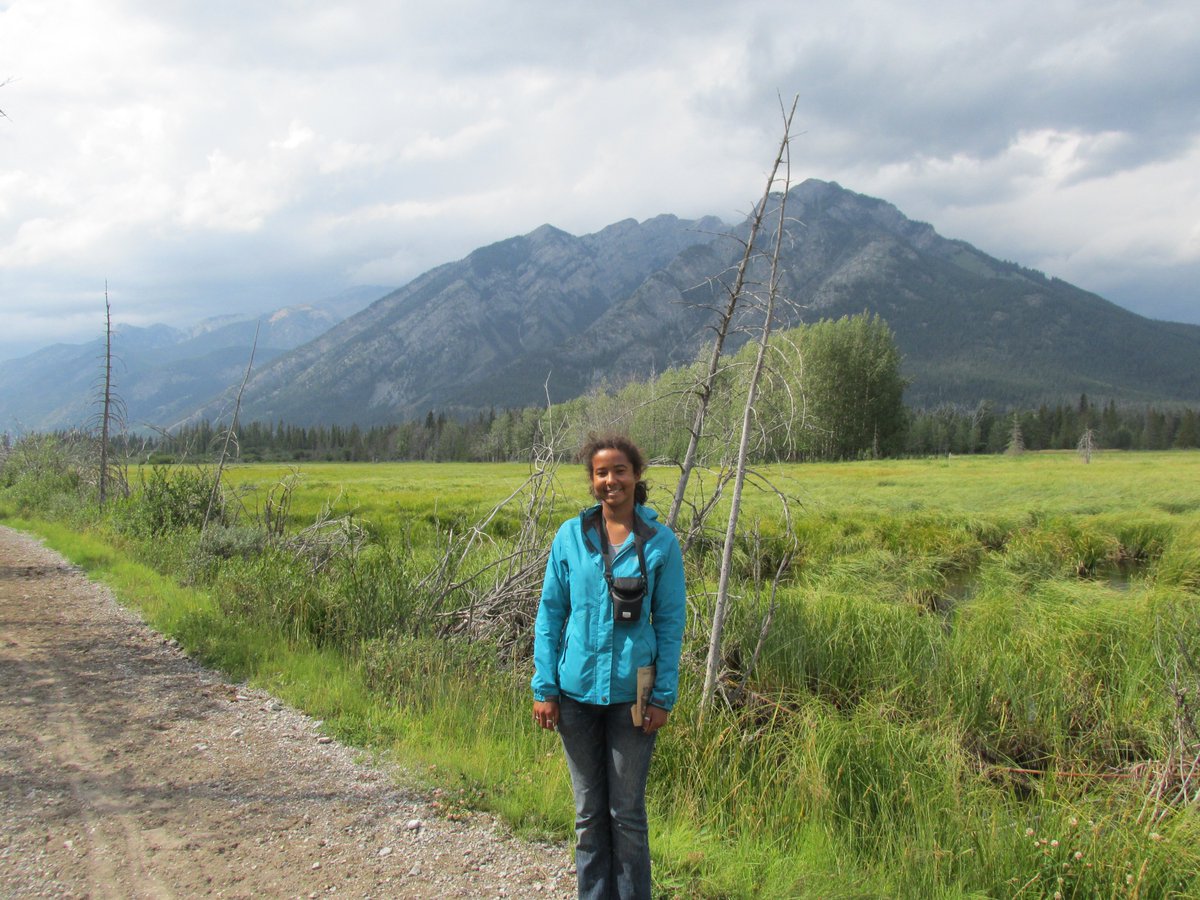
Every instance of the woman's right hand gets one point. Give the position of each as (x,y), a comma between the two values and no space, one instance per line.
(545,713)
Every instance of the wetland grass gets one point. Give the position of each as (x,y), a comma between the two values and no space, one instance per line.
(968,668)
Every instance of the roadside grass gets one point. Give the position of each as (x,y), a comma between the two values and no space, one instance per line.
(968,664)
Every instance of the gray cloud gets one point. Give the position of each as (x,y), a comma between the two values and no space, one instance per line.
(203,155)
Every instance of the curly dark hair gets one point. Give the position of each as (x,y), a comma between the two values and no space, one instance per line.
(597,442)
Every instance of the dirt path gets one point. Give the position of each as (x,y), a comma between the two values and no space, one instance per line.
(126,770)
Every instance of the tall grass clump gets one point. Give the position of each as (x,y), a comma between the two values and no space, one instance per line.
(844,647)
(1059,676)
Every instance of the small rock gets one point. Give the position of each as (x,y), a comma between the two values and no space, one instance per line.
(241,698)
(316,866)
(324,739)
(385,851)
(415,870)
(237,733)
(413,825)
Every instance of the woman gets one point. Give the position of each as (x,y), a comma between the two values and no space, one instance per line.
(613,602)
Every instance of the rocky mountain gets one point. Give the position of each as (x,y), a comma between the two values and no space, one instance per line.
(162,374)
(547,308)
(486,330)
(552,311)
(972,327)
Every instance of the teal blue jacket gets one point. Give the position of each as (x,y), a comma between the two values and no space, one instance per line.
(577,649)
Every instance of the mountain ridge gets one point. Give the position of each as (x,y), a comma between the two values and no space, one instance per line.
(549,312)
(162,373)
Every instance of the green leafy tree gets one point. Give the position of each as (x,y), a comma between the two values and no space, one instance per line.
(853,388)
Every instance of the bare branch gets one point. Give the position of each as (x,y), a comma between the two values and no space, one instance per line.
(713,662)
(230,435)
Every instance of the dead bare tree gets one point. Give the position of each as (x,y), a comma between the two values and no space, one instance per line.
(1016,440)
(501,595)
(735,293)
(112,408)
(713,662)
(230,436)
(497,598)
(1087,444)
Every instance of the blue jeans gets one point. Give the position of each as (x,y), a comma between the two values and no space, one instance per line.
(609,759)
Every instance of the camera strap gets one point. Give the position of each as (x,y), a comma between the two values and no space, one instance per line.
(606,554)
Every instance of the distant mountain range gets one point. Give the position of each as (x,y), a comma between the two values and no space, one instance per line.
(551,310)
(162,374)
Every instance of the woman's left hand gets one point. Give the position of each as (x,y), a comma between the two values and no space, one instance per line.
(545,713)
(654,719)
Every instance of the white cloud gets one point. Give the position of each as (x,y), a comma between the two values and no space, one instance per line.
(203,152)
(1104,233)
(228,196)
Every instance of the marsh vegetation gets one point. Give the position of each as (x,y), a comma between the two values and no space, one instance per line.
(979,677)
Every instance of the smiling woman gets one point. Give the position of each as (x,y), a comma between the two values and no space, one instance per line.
(602,642)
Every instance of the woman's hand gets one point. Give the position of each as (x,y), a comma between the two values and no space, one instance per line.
(545,713)
(654,719)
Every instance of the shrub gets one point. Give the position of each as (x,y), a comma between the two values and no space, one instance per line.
(170,500)
(46,475)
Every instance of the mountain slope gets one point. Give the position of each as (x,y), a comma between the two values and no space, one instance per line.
(450,338)
(550,309)
(162,374)
(973,327)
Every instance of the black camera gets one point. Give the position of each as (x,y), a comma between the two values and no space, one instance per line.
(627,596)
(627,593)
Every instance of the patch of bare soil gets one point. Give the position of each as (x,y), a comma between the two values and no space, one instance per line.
(127,770)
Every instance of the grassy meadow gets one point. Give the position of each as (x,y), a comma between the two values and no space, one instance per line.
(979,673)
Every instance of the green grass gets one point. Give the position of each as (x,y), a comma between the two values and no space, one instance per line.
(961,649)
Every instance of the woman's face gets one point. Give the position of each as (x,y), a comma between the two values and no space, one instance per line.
(613,479)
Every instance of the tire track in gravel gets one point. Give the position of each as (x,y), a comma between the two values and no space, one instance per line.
(111,832)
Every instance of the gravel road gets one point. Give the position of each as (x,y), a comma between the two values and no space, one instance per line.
(127,770)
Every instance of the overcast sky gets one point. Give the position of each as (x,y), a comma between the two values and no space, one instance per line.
(205,157)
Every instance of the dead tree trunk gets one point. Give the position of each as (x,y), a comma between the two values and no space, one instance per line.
(230,436)
(713,665)
(735,293)
(106,404)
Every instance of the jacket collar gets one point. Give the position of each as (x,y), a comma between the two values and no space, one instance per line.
(643,522)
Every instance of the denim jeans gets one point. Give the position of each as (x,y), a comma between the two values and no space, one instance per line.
(609,759)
